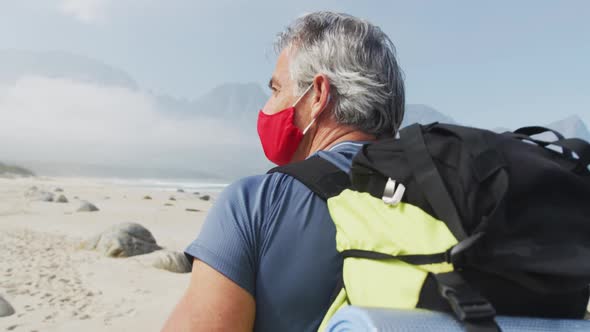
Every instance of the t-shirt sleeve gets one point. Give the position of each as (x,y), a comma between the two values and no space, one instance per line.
(229,238)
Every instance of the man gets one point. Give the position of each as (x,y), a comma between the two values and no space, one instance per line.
(266,256)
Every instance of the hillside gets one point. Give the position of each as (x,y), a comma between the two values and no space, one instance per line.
(11,170)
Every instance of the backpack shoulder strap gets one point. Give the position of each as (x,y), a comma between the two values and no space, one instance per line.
(319,175)
(429,179)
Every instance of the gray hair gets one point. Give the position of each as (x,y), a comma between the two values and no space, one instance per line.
(359,61)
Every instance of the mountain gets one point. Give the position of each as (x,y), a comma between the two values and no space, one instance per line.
(424,114)
(11,170)
(174,107)
(15,64)
(232,101)
(572,126)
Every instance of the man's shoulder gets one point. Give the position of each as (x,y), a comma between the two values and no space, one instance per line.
(254,183)
(262,189)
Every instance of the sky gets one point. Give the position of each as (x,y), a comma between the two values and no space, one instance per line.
(491,64)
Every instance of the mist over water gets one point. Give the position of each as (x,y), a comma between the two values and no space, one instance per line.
(60,126)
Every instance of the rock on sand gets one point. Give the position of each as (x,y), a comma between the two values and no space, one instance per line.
(6,309)
(87,207)
(123,240)
(172,261)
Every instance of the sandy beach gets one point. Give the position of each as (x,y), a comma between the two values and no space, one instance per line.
(55,285)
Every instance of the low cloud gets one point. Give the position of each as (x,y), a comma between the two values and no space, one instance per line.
(87,11)
(70,121)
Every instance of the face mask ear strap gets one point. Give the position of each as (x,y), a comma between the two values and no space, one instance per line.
(308,126)
(304,93)
(313,120)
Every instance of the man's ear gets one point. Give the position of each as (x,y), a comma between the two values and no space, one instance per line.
(321,96)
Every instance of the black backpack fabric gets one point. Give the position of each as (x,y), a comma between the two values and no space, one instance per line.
(520,208)
(527,203)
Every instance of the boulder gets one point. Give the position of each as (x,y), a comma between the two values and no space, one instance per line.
(123,240)
(172,198)
(172,261)
(61,199)
(180,190)
(192,210)
(205,197)
(5,308)
(87,207)
(147,197)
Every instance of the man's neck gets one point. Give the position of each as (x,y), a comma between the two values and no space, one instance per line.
(328,136)
(325,139)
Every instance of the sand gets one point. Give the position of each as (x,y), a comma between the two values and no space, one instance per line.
(54,285)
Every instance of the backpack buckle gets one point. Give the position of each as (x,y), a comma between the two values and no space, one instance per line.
(467,304)
(392,194)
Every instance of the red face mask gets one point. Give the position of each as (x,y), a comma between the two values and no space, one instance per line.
(278,134)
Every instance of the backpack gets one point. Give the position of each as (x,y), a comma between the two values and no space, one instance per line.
(461,220)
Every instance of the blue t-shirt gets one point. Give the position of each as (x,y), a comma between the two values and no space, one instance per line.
(273,237)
